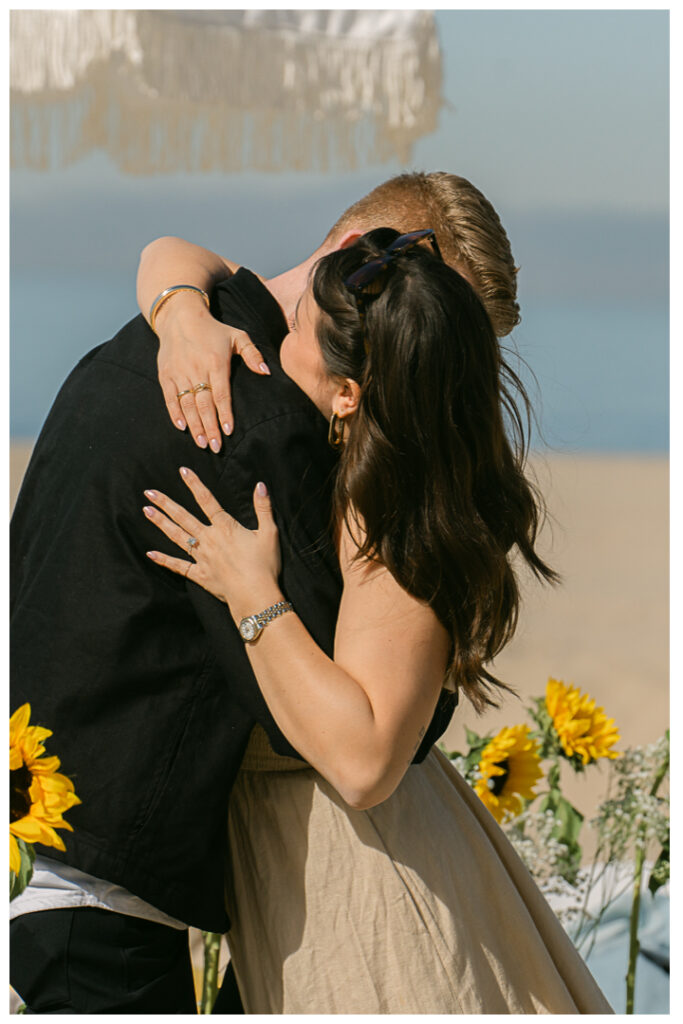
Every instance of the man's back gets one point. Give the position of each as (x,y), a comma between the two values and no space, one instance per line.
(142,676)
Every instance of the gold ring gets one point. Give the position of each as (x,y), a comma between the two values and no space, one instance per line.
(192,542)
(201,387)
(181,394)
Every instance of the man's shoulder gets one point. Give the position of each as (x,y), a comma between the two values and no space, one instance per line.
(114,395)
(134,348)
(244,301)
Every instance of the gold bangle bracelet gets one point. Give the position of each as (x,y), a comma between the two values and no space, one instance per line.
(164,296)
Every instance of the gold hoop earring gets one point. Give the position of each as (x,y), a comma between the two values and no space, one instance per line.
(335,434)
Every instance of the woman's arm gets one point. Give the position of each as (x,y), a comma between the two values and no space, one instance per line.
(167,261)
(358,719)
(194,348)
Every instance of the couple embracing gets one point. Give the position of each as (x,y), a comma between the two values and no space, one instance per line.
(249,626)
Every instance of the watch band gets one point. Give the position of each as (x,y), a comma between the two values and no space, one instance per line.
(272,613)
(251,627)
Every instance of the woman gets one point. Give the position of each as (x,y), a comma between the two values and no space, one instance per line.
(359,884)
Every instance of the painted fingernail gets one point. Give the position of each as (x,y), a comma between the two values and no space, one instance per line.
(261,489)
(201,441)
(227,428)
(184,470)
(148,511)
(152,554)
(180,424)
(264,369)
(215,444)
(151,494)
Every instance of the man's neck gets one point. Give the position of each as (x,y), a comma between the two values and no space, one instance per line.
(287,288)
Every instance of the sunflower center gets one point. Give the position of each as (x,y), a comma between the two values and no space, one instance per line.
(497,782)
(19,800)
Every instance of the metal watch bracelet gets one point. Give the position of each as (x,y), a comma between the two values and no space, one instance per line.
(252,626)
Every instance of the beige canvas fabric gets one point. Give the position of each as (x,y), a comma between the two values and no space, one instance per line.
(419,905)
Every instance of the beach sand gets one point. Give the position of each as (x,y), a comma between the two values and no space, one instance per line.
(605,628)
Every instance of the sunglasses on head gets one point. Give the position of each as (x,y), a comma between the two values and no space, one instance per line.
(368,272)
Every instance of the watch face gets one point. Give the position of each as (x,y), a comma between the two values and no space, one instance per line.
(249,629)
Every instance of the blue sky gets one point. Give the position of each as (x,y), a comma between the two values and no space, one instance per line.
(557,108)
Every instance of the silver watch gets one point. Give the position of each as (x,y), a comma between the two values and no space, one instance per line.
(252,627)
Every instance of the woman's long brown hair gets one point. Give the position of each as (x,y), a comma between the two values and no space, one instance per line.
(429,469)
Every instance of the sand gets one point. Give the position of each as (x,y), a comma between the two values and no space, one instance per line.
(605,629)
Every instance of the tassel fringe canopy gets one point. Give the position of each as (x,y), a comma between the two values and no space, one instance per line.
(169,91)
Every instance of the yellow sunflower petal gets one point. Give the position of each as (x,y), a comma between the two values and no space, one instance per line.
(14,855)
(509,768)
(55,840)
(45,766)
(20,719)
(31,830)
(48,794)
(582,727)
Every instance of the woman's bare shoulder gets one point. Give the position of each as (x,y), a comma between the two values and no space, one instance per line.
(371,591)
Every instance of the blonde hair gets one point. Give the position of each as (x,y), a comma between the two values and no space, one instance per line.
(468,229)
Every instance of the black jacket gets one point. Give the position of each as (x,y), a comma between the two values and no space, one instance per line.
(141,675)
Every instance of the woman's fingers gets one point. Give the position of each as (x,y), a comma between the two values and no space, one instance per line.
(188,404)
(246,349)
(202,495)
(220,384)
(195,381)
(170,391)
(207,413)
(188,523)
(174,532)
(178,565)
(263,507)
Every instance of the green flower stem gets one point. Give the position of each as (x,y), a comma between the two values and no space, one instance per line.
(212,946)
(634,944)
(554,774)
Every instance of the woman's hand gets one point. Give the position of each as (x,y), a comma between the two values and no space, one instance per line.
(196,349)
(236,565)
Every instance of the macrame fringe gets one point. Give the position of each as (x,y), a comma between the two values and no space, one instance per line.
(215,90)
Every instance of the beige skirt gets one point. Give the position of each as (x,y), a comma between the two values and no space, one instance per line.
(419,905)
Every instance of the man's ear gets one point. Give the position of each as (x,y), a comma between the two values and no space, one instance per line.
(345,401)
(349,237)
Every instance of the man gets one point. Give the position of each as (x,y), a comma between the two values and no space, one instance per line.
(141,675)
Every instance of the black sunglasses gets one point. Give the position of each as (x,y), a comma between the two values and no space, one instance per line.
(370,271)
(367,273)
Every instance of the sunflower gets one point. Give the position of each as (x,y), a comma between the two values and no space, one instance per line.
(583,730)
(509,768)
(38,794)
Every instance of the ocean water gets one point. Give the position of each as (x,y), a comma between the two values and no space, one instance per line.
(602,373)
(601,368)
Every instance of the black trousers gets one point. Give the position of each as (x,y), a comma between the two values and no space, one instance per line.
(88,960)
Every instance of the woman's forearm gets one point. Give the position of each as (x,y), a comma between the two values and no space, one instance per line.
(170,261)
(325,713)
(358,719)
